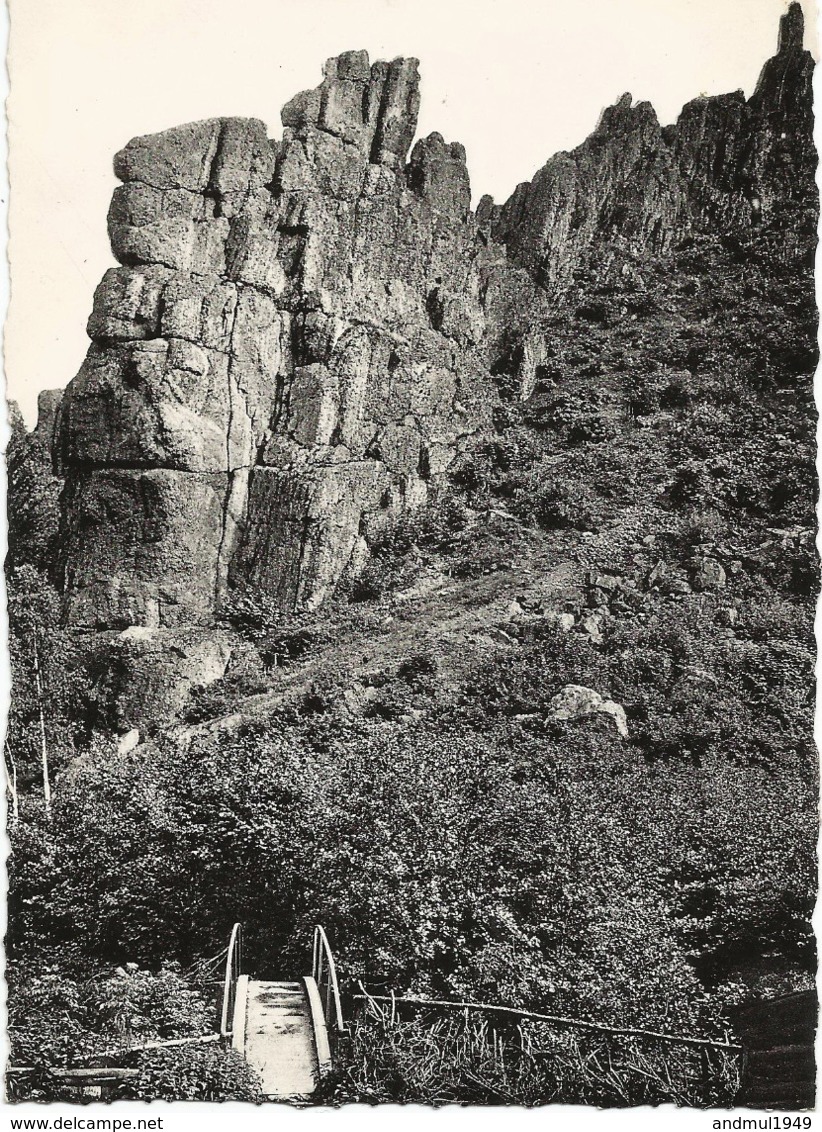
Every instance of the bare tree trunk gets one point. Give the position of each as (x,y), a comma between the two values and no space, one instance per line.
(43,746)
(11,779)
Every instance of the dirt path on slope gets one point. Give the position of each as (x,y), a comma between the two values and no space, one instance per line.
(452,621)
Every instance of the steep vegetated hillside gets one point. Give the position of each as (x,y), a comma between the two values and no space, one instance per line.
(444,578)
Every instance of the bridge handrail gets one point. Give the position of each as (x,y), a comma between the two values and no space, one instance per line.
(233,968)
(324,973)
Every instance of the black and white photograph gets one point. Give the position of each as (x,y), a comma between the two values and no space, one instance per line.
(411,564)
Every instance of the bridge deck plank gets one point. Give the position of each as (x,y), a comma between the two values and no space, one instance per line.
(279,1041)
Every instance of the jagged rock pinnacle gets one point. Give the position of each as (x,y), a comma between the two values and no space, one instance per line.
(792,28)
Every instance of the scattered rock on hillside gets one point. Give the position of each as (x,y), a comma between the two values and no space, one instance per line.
(500,637)
(129,741)
(655,575)
(565,621)
(708,575)
(575,702)
(593,624)
(675,587)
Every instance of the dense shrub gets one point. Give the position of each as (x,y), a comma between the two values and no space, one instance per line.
(56,1019)
(193,1073)
(441,863)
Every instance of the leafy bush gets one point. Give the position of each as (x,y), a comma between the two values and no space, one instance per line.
(251,609)
(343,833)
(33,511)
(675,395)
(56,1020)
(418,671)
(560,504)
(592,428)
(52,681)
(193,1073)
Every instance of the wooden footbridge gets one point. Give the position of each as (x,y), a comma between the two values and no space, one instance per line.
(286,1031)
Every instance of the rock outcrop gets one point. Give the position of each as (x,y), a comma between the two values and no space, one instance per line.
(746,163)
(290,352)
(621,183)
(576,702)
(728,163)
(635,193)
(304,333)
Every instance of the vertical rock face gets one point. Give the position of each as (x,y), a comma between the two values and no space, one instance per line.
(634,192)
(287,356)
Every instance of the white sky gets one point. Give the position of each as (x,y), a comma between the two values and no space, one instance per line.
(513,80)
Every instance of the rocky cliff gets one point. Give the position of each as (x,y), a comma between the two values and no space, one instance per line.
(289,354)
(304,334)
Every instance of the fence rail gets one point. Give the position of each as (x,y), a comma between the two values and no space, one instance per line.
(92,1076)
(556,1019)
